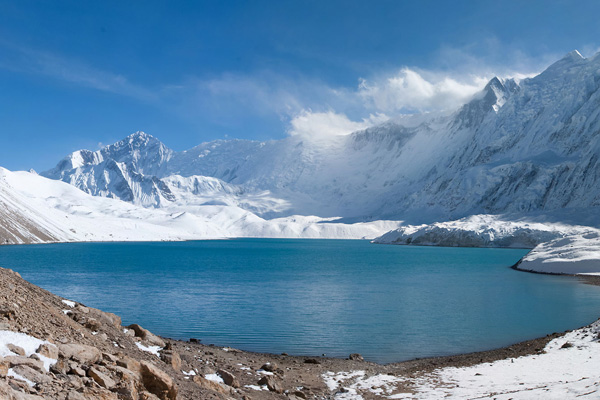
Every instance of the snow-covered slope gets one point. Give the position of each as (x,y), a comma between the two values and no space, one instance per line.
(482,231)
(572,254)
(516,147)
(35,209)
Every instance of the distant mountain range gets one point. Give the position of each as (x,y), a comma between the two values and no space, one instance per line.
(517,146)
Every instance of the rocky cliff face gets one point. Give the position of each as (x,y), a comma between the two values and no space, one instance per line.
(518,146)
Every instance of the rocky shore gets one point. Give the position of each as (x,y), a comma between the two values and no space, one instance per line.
(53,348)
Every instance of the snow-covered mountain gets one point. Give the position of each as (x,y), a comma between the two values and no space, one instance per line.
(518,146)
(35,209)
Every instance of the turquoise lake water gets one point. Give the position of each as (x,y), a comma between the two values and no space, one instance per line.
(313,297)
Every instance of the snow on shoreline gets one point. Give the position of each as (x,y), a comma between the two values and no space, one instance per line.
(567,368)
(574,254)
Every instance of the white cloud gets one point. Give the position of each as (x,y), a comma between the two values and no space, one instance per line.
(410,91)
(325,125)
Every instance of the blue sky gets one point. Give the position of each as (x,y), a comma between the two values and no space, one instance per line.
(80,74)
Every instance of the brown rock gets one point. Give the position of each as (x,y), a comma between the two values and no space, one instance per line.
(60,367)
(75,370)
(300,394)
(228,378)
(211,385)
(172,358)
(356,357)
(73,395)
(15,349)
(158,382)
(146,335)
(130,364)
(79,352)
(101,378)
(109,358)
(4,365)
(312,361)
(31,374)
(271,383)
(148,396)
(14,361)
(92,324)
(270,367)
(48,350)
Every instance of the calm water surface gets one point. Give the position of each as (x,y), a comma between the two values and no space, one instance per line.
(389,303)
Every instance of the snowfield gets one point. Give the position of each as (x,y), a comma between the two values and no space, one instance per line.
(36,210)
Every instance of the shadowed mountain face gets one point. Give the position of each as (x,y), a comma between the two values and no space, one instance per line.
(524,146)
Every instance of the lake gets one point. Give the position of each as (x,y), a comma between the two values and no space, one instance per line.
(313,297)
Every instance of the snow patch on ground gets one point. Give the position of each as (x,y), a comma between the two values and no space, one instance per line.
(214,378)
(149,349)
(28,343)
(69,303)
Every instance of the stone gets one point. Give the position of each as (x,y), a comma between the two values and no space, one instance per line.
(312,361)
(130,364)
(4,326)
(106,317)
(270,366)
(211,385)
(74,395)
(356,357)
(300,394)
(228,378)
(15,349)
(78,371)
(15,361)
(60,367)
(146,335)
(271,383)
(148,396)
(48,350)
(31,374)
(157,382)
(129,332)
(79,352)
(109,358)
(172,358)
(92,324)
(101,379)
(4,365)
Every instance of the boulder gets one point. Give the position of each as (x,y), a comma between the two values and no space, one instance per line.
(146,335)
(172,358)
(15,361)
(4,365)
(272,384)
(211,385)
(270,367)
(15,349)
(356,357)
(101,379)
(79,352)
(48,350)
(32,374)
(228,378)
(158,382)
